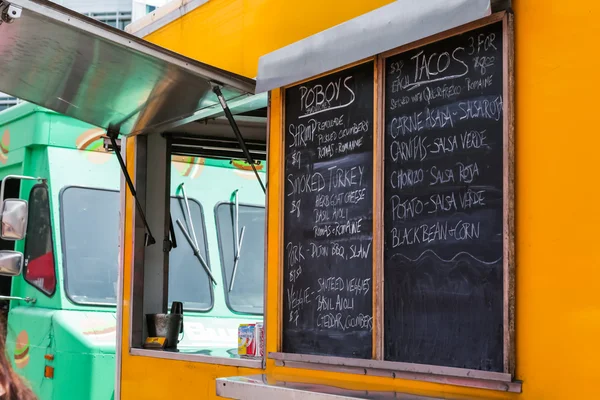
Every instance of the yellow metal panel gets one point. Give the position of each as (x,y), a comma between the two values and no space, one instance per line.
(274,231)
(127,268)
(558,256)
(127,244)
(233,34)
(152,378)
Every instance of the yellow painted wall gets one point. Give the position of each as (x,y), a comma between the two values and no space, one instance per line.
(558,256)
(558,261)
(233,34)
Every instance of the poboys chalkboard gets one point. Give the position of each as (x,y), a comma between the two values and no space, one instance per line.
(328,215)
(447,202)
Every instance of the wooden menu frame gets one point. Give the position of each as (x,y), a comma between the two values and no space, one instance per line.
(508,167)
(377,169)
(458,376)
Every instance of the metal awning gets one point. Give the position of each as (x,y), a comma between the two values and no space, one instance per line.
(72,64)
(388,27)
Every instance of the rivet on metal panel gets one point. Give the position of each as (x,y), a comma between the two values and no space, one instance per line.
(49,372)
(10,12)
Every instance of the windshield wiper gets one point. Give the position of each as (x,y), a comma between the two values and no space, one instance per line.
(192,240)
(238,240)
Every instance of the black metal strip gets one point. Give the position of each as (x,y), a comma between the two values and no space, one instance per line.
(113,138)
(230,144)
(212,153)
(238,134)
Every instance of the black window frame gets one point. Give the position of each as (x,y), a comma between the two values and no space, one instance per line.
(222,257)
(52,244)
(106,305)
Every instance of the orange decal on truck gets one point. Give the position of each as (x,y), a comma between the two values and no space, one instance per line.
(91,143)
(22,350)
(4,146)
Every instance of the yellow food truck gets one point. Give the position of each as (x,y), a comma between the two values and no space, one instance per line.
(413,248)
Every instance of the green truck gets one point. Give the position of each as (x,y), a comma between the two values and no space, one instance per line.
(61,314)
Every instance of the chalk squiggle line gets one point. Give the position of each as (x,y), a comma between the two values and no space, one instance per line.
(326,109)
(450,260)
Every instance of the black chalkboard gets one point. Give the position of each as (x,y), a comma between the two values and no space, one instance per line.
(328,222)
(444,196)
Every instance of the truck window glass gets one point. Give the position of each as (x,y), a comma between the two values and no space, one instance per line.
(90,235)
(39,253)
(247,294)
(188,281)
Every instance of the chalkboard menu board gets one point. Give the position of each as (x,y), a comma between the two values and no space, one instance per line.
(328,208)
(444,197)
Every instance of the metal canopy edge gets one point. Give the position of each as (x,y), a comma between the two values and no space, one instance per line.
(270,387)
(77,66)
(396,24)
(163,16)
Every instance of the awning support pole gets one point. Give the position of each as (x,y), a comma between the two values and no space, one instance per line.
(238,134)
(112,134)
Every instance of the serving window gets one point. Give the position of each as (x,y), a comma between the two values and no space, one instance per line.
(209,250)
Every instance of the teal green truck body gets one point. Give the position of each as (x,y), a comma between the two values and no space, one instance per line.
(64,343)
